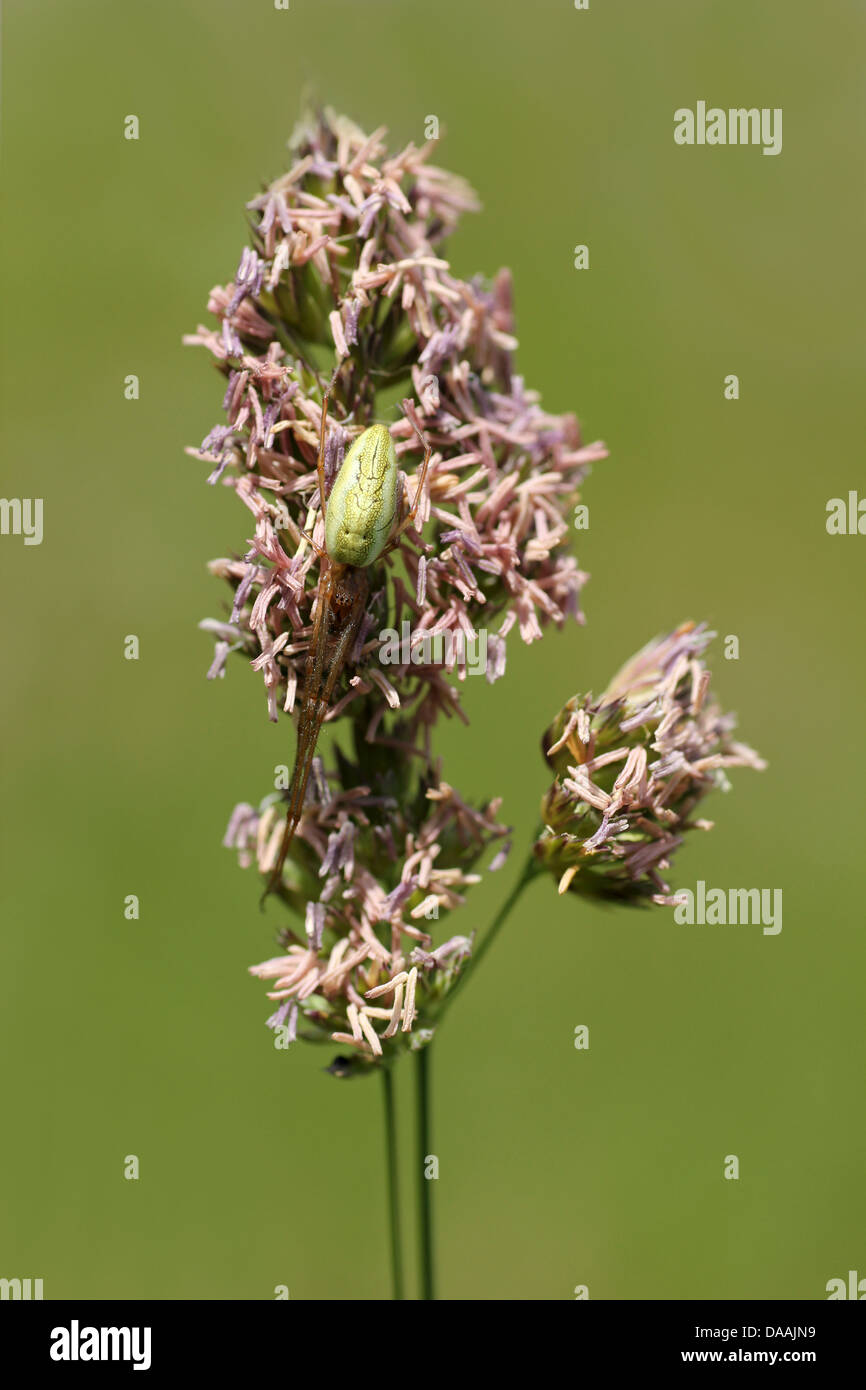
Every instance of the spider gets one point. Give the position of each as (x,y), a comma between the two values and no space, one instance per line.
(360,512)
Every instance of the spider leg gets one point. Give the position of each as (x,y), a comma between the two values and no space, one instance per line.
(320,550)
(409,519)
(307,728)
(320,461)
(318,691)
(298,533)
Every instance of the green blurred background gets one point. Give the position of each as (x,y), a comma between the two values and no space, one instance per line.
(558,1167)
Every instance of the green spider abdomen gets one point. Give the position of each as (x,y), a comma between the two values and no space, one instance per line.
(363,501)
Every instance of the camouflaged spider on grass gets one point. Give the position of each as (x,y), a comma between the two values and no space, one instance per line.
(361,526)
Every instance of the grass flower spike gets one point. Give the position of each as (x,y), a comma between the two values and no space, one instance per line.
(346,270)
(371,874)
(346,342)
(631,768)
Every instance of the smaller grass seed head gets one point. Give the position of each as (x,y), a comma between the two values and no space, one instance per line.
(631,768)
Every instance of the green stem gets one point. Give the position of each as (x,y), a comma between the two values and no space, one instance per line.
(425,1185)
(423,1096)
(393,1183)
(529,871)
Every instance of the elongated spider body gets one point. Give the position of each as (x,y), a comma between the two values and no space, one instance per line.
(360,515)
